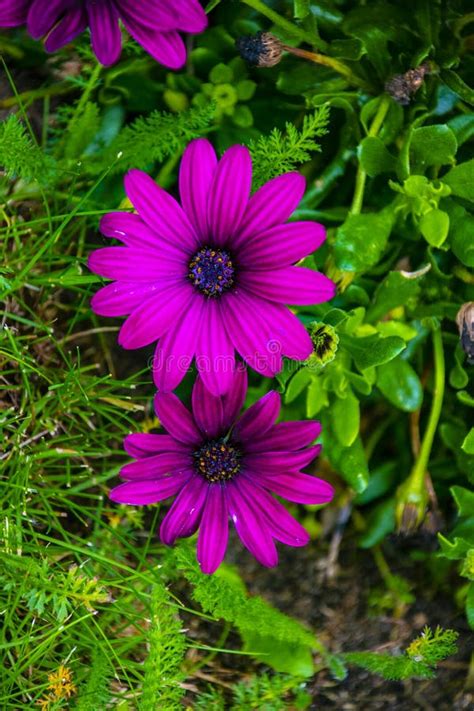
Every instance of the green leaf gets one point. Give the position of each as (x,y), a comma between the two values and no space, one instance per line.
(372,350)
(282,656)
(361,240)
(345,415)
(464,499)
(297,384)
(456,84)
(432,145)
(395,290)
(470,605)
(462,127)
(400,384)
(461,180)
(351,463)
(381,522)
(468,444)
(454,550)
(374,157)
(434,226)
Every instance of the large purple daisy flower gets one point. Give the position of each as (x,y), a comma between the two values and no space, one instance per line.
(211,277)
(218,465)
(155,24)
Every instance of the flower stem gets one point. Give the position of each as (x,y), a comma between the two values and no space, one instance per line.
(28,96)
(282,22)
(413,493)
(361,176)
(331,62)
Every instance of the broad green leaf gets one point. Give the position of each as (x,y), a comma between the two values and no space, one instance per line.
(345,416)
(361,240)
(295,659)
(470,605)
(297,384)
(395,290)
(351,463)
(382,479)
(432,145)
(461,180)
(372,350)
(464,500)
(463,127)
(454,550)
(400,384)
(434,226)
(468,444)
(380,523)
(456,84)
(374,157)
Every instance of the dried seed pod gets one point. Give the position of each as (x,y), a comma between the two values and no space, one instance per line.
(402,86)
(465,322)
(262,50)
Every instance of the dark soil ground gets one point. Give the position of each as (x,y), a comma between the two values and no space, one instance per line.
(339,610)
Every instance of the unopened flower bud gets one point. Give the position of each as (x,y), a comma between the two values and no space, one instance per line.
(465,322)
(325,341)
(262,50)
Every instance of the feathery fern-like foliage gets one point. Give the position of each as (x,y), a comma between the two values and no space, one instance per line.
(19,155)
(419,659)
(95,694)
(282,152)
(167,647)
(154,137)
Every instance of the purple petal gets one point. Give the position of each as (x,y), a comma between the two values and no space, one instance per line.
(192,17)
(214,530)
(286,436)
(14,12)
(141,493)
(292,285)
(271,205)
(281,525)
(276,462)
(69,27)
(234,399)
(297,487)
(121,298)
(251,527)
(208,410)
(130,264)
(42,16)
(149,13)
(184,516)
(143,444)
(166,47)
(259,417)
(152,319)
(176,418)
(249,332)
(287,334)
(133,232)
(175,351)
(160,211)
(106,38)
(229,194)
(157,465)
(215,357)
(281,246)
(196,175)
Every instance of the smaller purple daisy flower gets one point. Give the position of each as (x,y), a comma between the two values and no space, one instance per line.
(219,466)
(155,24)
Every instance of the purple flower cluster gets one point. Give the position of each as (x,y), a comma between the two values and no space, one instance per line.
(155,24)
(208,279)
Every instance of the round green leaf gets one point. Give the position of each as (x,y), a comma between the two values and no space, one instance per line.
(399,383)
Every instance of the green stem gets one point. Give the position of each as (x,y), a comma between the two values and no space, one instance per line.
(277,19)
(332,63)
(28,96)
(421,464)
(361,176)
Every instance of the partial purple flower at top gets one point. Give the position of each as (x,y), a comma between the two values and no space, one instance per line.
(222,466)
(212,276)
(155,24)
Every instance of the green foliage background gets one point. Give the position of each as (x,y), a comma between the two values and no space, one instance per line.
(85,583)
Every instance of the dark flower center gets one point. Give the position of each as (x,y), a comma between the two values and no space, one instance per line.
(217,460)
(211,271)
